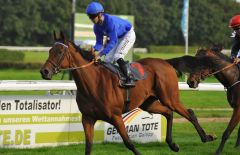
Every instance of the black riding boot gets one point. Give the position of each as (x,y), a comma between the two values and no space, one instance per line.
(126,71)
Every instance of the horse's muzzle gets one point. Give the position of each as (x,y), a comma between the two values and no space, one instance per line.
(192,84)
(46,74)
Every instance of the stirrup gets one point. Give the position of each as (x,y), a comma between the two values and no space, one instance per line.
(129,83)
(125,84)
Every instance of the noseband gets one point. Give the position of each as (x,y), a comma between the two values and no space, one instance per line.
(56,66)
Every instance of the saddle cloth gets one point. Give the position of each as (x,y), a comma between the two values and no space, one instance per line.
(136,69)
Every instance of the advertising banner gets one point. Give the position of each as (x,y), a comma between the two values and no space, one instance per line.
(141,126)
(50,120)
(31,121)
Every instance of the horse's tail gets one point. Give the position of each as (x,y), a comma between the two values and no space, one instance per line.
(187,64)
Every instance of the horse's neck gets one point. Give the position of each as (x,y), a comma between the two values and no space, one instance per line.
(85,77)
(229,76)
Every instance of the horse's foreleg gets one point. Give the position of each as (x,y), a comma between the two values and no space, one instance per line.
(238,139)
(119,124)
(88,125)
(157,108)
(232,124)
(189,114)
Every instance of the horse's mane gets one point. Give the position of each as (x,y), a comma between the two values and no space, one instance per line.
(193,64)
(220,54)
(190,64)
(218,58)
(85,53)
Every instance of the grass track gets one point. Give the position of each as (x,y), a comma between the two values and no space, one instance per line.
(184,135)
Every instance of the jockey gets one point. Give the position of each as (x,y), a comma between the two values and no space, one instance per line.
(235,25)
(121,37)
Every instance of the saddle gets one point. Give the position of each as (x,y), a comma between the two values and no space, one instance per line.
(136,70)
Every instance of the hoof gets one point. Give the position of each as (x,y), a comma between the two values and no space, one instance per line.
(174,147)
(210,138)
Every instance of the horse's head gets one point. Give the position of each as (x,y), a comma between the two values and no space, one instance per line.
(195,78)
(57,58)
(64,54)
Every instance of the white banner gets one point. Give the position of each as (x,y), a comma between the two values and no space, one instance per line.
(141,127)
(34,121)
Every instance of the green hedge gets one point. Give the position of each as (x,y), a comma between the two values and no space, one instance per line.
(20,65)
(171,49)
(8,56)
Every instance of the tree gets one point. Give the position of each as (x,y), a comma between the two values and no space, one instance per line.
(31,22)
(151,27)
(157,22)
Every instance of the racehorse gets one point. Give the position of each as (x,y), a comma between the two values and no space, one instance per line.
(209,62)
(229,76)
(99,96)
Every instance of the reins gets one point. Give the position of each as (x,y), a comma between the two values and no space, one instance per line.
(80,67)
(235,83)
(228,66)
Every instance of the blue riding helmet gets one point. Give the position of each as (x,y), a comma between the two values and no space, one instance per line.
(94,8)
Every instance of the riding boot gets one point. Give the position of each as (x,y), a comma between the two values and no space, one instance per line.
(125,68)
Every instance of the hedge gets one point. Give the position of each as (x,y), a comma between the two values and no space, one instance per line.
(8,56)
(171,49)
(20,65)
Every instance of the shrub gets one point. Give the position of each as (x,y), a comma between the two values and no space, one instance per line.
(171,49)
(20,65)
(9,56)
(135,57)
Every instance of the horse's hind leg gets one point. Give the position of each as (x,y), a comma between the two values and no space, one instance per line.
(189,114)
(157,108)
(232,124)
(88,125)
(119,124)
(238,139)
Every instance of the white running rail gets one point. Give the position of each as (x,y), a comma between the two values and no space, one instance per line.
(18,85)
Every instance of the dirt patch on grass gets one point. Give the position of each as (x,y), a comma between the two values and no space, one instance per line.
(212,119)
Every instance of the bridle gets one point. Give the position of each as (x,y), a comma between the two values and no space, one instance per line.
(226,67)
(56,66)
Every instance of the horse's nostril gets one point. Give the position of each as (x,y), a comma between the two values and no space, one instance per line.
(45,72)
(190,83)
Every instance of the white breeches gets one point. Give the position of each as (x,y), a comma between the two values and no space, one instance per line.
(122,47)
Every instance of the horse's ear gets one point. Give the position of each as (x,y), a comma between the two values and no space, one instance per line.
(62,37)
(54,35)
(217,47)
(199,48)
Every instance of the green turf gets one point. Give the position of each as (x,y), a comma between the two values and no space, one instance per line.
(204,99)
(184,134)
(162,55)
(209,113)
(39,57)
(14,74)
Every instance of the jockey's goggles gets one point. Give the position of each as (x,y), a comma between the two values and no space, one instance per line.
(92,16)
(236,28)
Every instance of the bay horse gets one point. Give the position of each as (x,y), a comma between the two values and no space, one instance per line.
(99,96)
(230,78)
(209,62)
